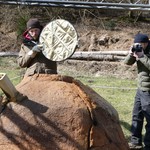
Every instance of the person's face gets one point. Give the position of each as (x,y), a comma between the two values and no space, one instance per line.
(34,32)
(144,45)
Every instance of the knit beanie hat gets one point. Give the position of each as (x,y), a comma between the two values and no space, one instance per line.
(33,23)
(141,38)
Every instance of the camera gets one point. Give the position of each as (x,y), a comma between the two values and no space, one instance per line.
(137,47)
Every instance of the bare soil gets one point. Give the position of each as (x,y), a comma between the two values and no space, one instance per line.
(91,38)
(97,30)
(99,33)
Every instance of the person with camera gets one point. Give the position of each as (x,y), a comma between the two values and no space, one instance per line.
(140,54)
(30,55)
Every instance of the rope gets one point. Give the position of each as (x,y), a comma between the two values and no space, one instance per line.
(109,87)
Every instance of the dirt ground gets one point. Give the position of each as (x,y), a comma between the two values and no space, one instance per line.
(95,34)
(97,30)
(91,38)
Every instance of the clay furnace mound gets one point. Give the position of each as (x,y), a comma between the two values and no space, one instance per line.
(59,113)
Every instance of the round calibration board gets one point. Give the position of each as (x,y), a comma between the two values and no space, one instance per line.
(59,40)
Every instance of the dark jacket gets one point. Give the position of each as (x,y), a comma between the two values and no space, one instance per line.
(38,64)
(143,67)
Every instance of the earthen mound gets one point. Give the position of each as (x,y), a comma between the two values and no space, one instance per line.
(59,113)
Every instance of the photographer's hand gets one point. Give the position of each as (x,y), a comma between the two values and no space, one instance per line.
(138,54)
(131,52)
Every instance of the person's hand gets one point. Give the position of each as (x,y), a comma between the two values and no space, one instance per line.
(130,51)
(37,48)
(136,51)
(138,54)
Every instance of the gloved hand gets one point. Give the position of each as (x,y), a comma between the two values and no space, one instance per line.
(37,48)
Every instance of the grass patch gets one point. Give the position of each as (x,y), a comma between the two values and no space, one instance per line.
(119,93)
(9,66)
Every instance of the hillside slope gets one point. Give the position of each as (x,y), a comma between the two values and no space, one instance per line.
(97,30)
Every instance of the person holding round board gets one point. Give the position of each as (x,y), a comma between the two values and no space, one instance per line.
(42,48)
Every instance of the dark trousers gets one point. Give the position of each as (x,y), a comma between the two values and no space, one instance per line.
(141,109)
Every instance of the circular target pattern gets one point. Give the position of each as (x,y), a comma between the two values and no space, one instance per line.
(59,40)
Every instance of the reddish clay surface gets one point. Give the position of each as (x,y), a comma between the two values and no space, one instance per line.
(59,113)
